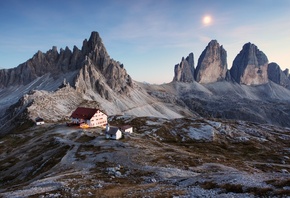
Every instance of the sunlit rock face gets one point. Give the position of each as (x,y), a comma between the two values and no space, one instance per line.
(212,64)
(250,66)
(184,71)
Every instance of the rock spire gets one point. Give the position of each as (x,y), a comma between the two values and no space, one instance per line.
(250,66)
(184,71)
(278,76)
(212,64)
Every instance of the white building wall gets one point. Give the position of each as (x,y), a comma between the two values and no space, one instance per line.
(118,134)
(88,122)
(129,130)
(99,119)
(40,123)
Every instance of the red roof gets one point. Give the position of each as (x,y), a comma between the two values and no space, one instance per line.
(84,113)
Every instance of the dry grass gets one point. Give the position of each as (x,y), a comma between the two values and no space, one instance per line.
(237,188)
(84,139)
(84,148)
(141,155)
(148,190)
(280,185)
(209,185)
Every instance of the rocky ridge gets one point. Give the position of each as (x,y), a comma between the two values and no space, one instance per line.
(92,64)
(40,64)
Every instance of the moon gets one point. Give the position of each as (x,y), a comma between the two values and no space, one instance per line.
(207,20)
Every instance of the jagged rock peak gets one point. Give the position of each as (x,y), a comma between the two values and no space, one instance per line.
(250,66)
(184,71)
(94,45)
(54,48)
(99,72)
(286,72)
(276,75)
(95,39)
(212,64)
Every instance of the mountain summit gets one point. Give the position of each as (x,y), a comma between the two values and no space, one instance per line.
(250,66)
(184,71)
(212,64)
(99,70)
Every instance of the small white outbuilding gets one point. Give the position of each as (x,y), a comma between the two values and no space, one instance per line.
(39,121)
(113,133)
(126,129)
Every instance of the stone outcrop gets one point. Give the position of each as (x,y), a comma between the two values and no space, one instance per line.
(184,71)
(278,76)
(92,64)
(212,64)
(250,66)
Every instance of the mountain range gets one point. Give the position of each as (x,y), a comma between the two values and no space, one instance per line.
(211,132)
(52,84)
(250,67)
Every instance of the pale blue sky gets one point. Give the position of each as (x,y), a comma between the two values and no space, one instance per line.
(148,36)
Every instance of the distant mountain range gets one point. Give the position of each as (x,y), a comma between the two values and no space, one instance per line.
(250,67)
(52,84)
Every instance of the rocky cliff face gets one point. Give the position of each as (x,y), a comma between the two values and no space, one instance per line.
(99,72)
(212,64)
(184,71)
(278,76)
(250,66)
